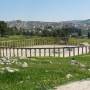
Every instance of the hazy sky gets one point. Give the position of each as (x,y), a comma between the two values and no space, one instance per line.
(44,10)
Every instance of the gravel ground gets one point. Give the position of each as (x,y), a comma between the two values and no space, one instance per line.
(80,85)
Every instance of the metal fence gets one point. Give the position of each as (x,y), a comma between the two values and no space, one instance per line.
(27,42)
(44,52)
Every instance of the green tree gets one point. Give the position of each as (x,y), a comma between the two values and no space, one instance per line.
(89,35)
(3,28)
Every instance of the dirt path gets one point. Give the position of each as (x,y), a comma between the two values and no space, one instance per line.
(80,85)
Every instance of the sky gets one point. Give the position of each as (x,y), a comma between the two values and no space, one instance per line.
(44,10)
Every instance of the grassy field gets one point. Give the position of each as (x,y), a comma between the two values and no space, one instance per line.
(22,41)
(45,73)
(78,41)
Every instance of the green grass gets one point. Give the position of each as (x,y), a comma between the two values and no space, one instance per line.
(45,73)
(23,41)
(77,41)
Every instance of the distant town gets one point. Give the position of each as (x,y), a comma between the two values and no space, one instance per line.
(75,28)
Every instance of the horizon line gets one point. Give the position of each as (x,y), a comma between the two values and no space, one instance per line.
(44,20)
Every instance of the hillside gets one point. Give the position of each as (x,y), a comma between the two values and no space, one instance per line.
(82,24)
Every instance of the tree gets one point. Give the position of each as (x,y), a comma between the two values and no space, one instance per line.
(3,28)
(88,34)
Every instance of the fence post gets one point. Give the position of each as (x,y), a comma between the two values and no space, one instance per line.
(30,52)
(54,51)
(63,53)
(44,51)
(3,52)
(10,51)
(73,51)
(0,52)
(78,50)
(69,52)
(49,52)
(17,52)
(89,48)
(35,52)
(13,53)
(25,52)
(86,49)
(58,52)
(39,52)
(21,52)
(6,51)
(82,49)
